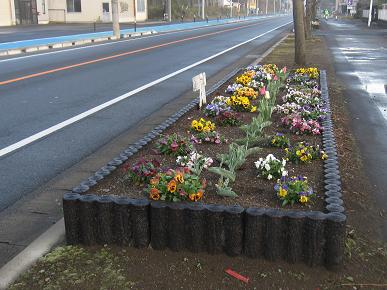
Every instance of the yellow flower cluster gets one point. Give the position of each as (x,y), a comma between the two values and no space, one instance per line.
(312,72)
(244,80)
(303,156)
(240,104)
(270,68)
(202,125)
(246,92)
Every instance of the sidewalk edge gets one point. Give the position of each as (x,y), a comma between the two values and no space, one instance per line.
(40,246)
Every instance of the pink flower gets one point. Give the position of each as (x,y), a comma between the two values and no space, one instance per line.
(174,146)
(262,91)
(275,78)
(284,69)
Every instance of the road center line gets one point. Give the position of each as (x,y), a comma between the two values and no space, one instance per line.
(14,80)
(107,104)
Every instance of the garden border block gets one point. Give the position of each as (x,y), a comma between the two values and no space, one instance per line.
(311,237)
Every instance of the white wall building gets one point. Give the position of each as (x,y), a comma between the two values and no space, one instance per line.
(13,12)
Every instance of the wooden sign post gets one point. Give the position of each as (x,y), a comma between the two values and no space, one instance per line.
(199,84)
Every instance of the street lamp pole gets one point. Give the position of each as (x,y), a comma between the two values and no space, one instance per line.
(232,4)
(116,19)
(135,15)
(203,9)
(370,14)
(170,10)
(267,4)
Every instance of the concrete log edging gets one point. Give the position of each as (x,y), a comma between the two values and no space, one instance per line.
(310,237)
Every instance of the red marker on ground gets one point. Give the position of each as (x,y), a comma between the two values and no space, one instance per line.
(237,276)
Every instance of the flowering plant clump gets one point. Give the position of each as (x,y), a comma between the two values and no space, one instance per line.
(300,126)
(303,152)
(294,189)
(174,185)
(216,107)
(207,137)
(311,72)
(271,167)
(270,69)
(280,141)
(240,104)
(229,119)
(202,125)
(195,162)
(232,88)
(288,108)
(246,92)
(174,145)
(142,171)
(244,79)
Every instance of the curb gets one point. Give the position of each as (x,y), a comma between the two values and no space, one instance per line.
(73,43)
(42,245)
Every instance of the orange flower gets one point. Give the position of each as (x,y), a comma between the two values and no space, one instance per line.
(154,181)
(192,196)
(172,186)
(199,195)
(154,194)
(179,177)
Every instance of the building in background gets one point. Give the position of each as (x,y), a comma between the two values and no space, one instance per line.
(15,12)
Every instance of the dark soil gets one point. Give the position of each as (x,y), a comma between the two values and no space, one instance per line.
(116,268)
(252,191)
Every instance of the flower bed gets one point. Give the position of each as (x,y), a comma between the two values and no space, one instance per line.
(265,205)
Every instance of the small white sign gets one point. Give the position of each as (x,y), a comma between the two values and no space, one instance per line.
(199,83)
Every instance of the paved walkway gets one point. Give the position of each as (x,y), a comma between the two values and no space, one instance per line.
(83,36)
(361,62)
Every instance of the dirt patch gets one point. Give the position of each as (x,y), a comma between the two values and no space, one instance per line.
(114,268)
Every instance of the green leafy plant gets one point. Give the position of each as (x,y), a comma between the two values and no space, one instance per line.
(254,131)
(232,160)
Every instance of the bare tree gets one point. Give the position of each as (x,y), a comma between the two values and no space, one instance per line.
(299,31)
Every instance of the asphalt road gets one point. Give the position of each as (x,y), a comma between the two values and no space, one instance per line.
(360,61)
(41,91)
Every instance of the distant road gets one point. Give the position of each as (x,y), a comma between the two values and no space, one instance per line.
(57,108)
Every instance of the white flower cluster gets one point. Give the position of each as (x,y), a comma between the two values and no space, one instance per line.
(271,167)
(288,108)
(195,162)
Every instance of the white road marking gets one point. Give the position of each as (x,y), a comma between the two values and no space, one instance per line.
(107,104)
(125,40)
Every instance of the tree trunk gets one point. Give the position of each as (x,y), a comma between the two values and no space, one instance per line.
(298,20)
(308,19)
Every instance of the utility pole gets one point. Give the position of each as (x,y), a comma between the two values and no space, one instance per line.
(170,10)
(135,15)
(267,4)
(116,19)
(370,14)
(274,7)
(232,4)
(203,9)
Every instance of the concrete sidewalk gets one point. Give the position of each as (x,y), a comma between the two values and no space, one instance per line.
(14,47)
(360,61)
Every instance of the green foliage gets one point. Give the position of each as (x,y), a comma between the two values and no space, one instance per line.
(254,131)
(233,160)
